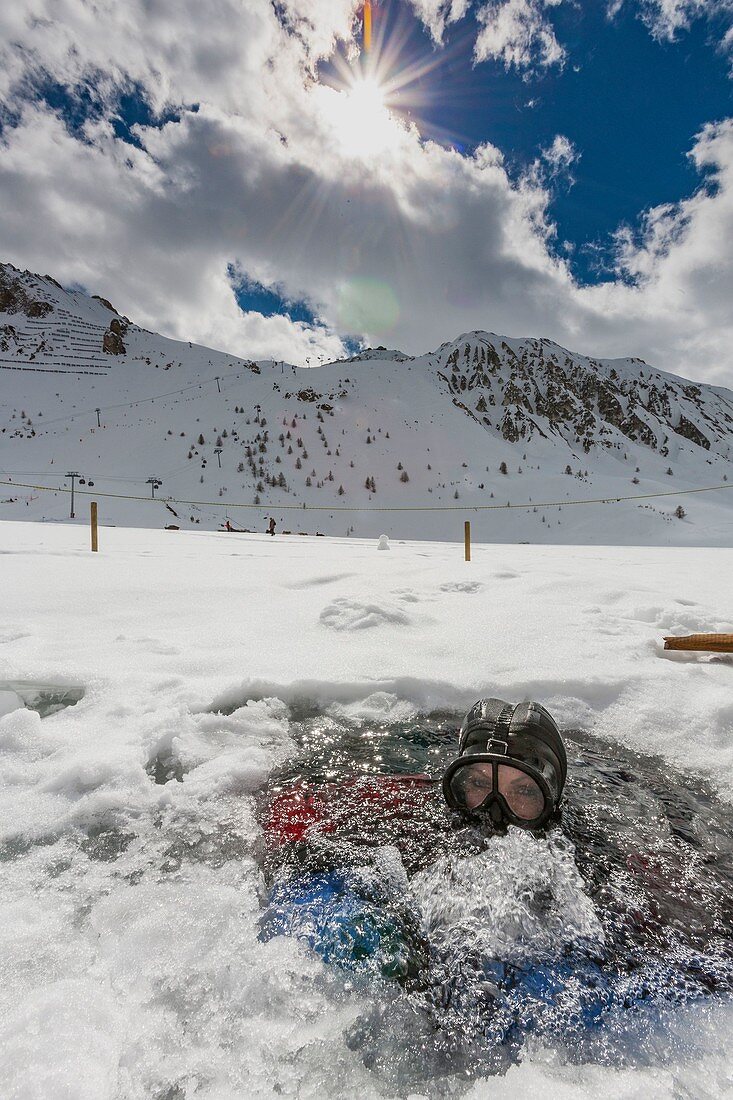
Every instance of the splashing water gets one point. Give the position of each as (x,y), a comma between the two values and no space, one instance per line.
(588,938)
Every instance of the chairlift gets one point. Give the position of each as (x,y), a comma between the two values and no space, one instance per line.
(82,481)
(91,484)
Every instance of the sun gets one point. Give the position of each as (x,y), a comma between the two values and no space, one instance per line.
(361,120)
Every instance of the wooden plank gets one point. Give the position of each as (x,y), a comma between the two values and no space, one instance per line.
(710,643)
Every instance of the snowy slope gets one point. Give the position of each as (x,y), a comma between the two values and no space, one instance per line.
(381,430)
(129,911)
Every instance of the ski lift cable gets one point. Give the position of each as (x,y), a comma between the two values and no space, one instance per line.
(141,400)
(383,508)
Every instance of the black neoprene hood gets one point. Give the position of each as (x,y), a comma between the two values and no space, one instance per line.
(503,739)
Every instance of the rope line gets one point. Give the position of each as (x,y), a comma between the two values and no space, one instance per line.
(267,506)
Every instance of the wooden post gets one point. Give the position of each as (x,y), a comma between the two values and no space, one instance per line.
(467,538)
(95,540)
(705,643)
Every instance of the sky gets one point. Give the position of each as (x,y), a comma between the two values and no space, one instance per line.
(246,174)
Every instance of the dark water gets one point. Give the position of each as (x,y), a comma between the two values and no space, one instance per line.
(588,938)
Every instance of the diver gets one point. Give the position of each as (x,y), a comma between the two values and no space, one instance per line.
(511,766)
(326,845)
(655,927)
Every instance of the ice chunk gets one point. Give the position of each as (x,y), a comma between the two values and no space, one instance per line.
(9,702)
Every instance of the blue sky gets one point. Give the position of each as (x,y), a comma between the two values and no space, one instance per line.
(631,105)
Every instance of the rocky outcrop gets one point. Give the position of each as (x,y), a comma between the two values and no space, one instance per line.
(107,304)
(112,341)
(17,298)
(587,402)
(689,431)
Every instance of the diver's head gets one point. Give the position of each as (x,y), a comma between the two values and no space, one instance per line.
(511,766)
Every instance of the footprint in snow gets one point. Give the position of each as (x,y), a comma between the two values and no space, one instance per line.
(349,615)
(461,586)
(407,595)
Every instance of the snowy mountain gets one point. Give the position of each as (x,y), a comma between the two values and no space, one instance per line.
(484,420)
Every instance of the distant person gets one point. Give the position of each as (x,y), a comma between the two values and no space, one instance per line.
(271,526)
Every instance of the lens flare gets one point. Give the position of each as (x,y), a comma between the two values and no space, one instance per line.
(367,306)
(367,25)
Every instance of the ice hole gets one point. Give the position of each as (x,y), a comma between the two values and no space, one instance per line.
(593,937)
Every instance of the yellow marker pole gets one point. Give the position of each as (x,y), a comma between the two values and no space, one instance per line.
(467,538)
(95,539)
(367,25)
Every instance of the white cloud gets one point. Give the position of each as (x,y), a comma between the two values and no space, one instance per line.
(438,14)
(666,18)
(560,155)
(411,244)
(518,33)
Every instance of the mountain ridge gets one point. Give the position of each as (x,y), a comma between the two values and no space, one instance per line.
(447,423)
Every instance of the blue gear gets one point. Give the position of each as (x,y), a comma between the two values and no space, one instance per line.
(328,912)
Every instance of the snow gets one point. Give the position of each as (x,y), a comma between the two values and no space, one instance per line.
(441,419)
(131,964)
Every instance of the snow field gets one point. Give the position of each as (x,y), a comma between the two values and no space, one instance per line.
(131,965)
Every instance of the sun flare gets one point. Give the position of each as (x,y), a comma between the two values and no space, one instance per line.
(362,121)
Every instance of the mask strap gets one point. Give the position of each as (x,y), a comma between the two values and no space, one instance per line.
(499,742)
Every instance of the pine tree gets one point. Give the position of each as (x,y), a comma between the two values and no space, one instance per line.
(403,476)
(503,469)
(201,441)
